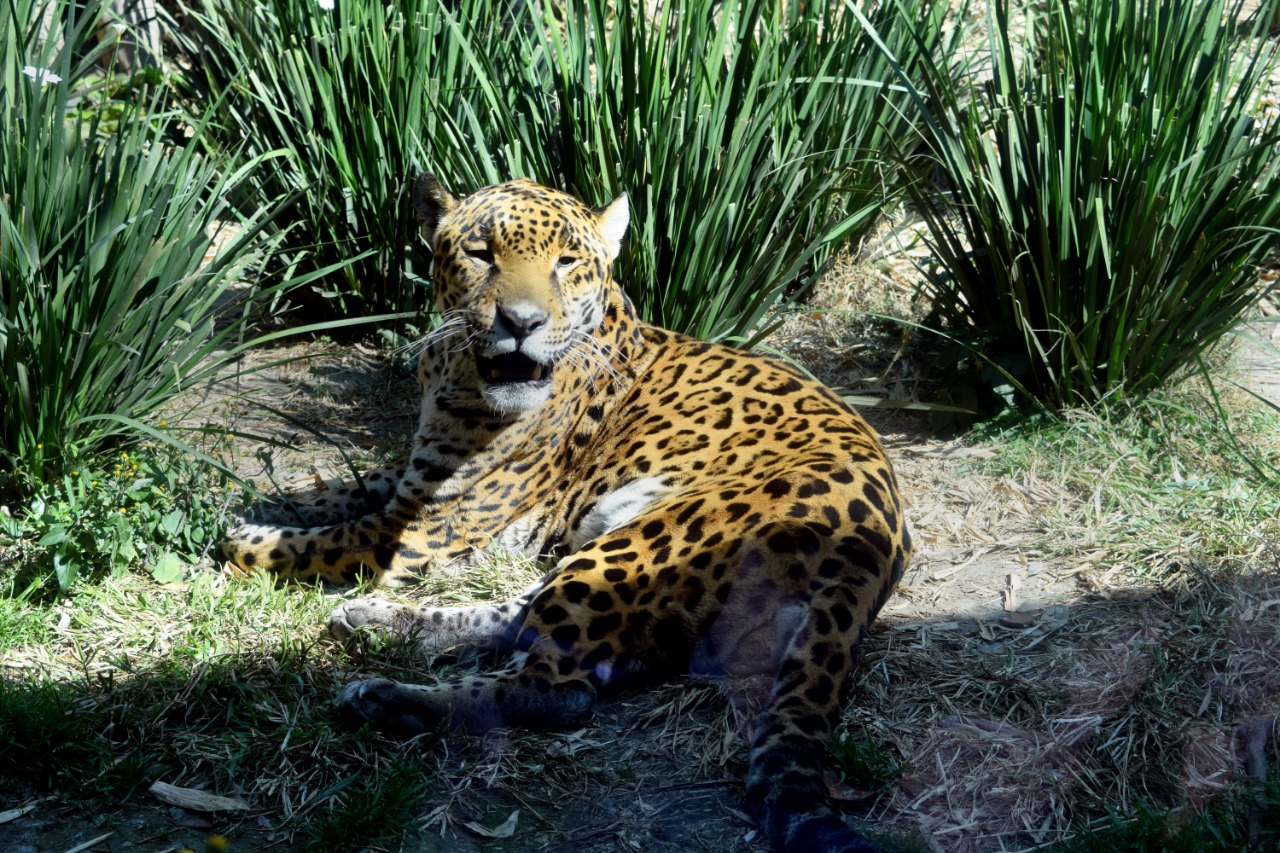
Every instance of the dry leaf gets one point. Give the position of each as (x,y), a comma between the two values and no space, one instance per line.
(193,800)
(571,743)
(91,843)
(1255,611)
(231,570)
(14,814)
(505,830)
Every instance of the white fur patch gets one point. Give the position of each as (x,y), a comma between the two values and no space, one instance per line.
(617,508)
(516,537)
(613,221)
(265,532)
(516,396)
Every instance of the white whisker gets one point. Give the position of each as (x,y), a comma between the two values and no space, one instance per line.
(452,322)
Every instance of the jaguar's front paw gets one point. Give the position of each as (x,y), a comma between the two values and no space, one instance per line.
(373,614)
(389,707)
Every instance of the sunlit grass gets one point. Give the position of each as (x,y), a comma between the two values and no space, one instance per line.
(1161,484)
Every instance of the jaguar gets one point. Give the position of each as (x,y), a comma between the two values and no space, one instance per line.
(702,509)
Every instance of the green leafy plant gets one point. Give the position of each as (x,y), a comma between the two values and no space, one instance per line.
(1110,190)
(377,806)
(749,137)
(863,762)
(154,507)
(43,735)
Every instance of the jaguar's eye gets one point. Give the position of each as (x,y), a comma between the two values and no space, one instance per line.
(480,253)
(566,261)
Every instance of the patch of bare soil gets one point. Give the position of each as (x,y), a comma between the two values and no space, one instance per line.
(307,410)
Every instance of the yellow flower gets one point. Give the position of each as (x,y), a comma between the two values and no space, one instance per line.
(215,844)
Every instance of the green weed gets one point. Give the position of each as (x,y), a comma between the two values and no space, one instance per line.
(747,158)
(19,621)
(154,508)
(47,738)
(865,764)
(375,806)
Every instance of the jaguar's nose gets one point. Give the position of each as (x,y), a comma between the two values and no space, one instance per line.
(521,319)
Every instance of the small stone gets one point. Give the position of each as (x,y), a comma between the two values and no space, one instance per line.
(1021,619)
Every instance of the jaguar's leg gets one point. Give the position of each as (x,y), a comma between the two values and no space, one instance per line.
(528,694)
(535,690)
(491,627)
(378,546)
(339,520)
(561,657)
(407,537)
(334,505)
(785,792)
(595,620)
(439,515)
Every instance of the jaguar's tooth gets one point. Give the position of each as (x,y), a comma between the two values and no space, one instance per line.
(494,373)
(537,372)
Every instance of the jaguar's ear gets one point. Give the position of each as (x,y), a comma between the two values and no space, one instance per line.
(612,220)
(432,202)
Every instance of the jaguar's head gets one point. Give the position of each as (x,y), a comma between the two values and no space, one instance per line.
(523,274)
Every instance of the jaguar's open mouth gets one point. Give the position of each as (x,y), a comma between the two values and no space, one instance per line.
(511,368)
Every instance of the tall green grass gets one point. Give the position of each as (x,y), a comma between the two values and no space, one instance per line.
(750,135)
(359,98)
(106,309)
(1108,191)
